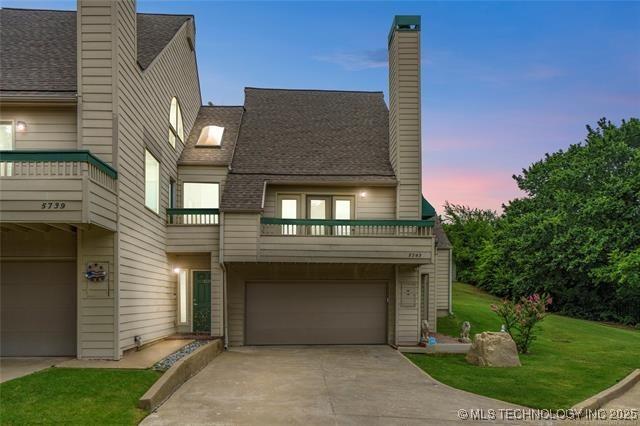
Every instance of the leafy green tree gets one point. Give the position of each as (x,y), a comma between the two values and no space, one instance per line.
(468,229)
(576,235)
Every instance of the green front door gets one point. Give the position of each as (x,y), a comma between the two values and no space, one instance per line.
(202,301)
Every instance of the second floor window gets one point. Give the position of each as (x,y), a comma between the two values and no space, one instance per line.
(210,136)
(151,182)
(201,195)
(6,135)
(176,131)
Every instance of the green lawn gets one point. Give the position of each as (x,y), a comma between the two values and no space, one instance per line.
(75,396)
(571,360)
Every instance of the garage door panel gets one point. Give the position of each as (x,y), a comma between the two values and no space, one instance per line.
(38,301)
(347,312)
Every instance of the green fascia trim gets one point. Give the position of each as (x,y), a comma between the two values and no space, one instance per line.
(83,156)
(404,23)
(339,222)
(182,212)
(427,209)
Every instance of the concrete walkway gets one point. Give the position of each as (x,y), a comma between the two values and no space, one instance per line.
(629,400)
(316,385)
(142,359)
(12,368)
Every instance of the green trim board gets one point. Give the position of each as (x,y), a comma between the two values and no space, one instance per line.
(182,212)
(83,156)
(404,23)
(339,222)
(427,209)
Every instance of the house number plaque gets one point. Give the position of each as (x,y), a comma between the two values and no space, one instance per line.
(53,205)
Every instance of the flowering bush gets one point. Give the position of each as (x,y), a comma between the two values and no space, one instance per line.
(520,318)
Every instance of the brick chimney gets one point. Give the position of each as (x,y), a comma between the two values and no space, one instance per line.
(404,114)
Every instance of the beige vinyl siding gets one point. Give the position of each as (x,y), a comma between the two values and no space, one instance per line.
(241,232)
(146,283)
(97,69)
(404,120)
(237,275)
(442,280)
(83,193)
(48,127)
(379,202)
(193,239)
(429,312)
(408,305)
(96,301)
(343,249)
(217,297)
(201,174)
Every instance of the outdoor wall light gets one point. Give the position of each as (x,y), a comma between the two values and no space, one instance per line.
(363,194)
(21,126)
(176,270)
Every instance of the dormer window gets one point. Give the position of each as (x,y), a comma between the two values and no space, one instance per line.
(176,130)
(210,136)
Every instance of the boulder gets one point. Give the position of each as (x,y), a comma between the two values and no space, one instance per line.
(493,349)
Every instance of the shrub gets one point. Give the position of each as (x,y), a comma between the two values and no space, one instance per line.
(520,318)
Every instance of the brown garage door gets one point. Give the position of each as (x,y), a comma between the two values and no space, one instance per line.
(38,308)
(316,312)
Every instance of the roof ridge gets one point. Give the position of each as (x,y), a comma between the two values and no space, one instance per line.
(313,90)
(221,106)
(38,10)
(25,9)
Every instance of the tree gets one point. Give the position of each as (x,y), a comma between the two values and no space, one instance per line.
(468,229)
(576,234)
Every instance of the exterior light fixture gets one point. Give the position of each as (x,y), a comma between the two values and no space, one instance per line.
(363,194)
(176,270)
(21,126)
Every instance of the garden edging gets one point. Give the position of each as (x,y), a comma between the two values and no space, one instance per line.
(179,373)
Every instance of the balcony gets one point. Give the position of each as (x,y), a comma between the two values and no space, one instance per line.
(345,241)
(57,187)
(193,230)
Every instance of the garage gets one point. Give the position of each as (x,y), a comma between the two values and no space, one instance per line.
(316,312)
(38,302)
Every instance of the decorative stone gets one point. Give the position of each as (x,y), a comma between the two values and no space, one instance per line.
(464,333)
(491,349)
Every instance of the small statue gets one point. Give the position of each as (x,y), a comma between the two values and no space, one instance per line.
(464,335)
(426,330)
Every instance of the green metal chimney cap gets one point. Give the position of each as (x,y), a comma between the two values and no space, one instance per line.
(404,23)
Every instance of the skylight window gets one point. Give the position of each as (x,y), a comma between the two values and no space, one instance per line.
(210,136)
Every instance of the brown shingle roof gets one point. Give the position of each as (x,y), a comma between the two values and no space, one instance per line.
(313,132)
(308,136)
(228,117)
(442,241)
(38,47)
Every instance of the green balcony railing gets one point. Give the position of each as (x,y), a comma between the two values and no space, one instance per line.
(346,228)
(22,161)
(193,216)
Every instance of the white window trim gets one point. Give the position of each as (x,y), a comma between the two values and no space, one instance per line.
(145,181)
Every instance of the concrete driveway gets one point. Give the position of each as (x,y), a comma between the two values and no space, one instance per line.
(315,385)
(14,367)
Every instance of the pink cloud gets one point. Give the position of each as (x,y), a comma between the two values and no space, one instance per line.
(487,189)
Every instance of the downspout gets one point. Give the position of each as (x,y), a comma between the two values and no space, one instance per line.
(450,282)
(224,283)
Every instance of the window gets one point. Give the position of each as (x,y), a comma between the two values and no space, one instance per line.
(172,193)
(318,208)
(210,136)
(289,210)
(175,123)
(151,182)
(182,295)
(200,195)
(342,208)
(6,144)
(6,135)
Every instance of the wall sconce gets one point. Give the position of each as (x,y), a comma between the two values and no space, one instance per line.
(21,126)
(363,194)
(176,270)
